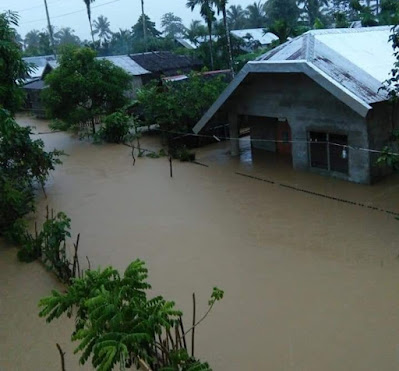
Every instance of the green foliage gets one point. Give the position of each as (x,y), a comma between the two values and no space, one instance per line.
(13,69)
(83,87)
(58,125)
(117,324)
(183,154)
(23,163)
(116,128)
(178,106)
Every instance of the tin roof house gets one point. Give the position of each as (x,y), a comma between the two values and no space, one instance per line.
(317,99)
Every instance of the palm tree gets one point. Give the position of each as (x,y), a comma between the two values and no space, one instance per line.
(208,14)
(313,9)
(66,36)
(221,7)
(236,16)
(101,27)
(88,3)
(256,15)
(195,31)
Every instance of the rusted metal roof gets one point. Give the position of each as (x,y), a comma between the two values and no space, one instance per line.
(352,64)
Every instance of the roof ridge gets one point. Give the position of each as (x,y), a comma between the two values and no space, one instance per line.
(328,31)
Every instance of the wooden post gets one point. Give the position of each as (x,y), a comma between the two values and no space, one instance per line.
(171,167)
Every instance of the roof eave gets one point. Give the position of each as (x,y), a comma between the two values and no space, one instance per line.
(292,66)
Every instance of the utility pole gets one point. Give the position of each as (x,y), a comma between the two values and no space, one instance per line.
(50,29)
(144,24)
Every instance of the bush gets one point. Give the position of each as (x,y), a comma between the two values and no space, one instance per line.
(58,125)
(183,154)
(116,128)
(117,324)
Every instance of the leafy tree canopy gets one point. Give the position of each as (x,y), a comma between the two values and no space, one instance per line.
(172,25)
(83,87)
(13,69)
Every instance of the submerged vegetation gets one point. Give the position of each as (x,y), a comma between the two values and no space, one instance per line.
(117,324)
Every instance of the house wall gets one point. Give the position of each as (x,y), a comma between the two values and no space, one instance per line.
(381,121)
(307,107)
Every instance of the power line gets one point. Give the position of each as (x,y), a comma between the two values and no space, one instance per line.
(343,146)
(70,13)
(35,7)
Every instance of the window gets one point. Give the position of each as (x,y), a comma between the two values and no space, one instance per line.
(329,151)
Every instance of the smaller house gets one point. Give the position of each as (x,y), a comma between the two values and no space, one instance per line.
(165,63)
(143,68)
(254,38)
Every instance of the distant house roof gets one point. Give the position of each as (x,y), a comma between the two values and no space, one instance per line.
(165,63)
(39,64)
(351,64)
(257,34)
(127,64)
(188,44)
(209,74)
(35,85)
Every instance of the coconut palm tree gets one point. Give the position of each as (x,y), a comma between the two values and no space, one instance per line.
(102,28)
(208,14)
(221,7)
(88,7)
(236,17)
(65,36)
(313,9)
(256,15)
(195,31)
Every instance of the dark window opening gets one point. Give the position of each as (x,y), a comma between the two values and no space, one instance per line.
(329,151)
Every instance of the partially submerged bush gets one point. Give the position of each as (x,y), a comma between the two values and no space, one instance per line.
(116,128)
(117,324)
(183,154)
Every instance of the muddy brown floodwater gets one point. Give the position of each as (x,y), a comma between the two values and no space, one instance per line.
(310,283)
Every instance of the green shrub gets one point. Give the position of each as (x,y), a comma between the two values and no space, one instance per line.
(117,324)
(58,125)
(183,154)
(116,128)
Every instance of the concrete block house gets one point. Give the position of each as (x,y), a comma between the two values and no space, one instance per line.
(316,98)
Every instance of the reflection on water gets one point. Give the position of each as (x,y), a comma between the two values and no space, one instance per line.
(311,283)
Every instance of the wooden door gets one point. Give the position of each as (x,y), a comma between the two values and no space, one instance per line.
(284,138)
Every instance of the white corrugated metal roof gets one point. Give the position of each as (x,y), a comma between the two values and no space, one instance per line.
(359,59)
(257,34)
(351,64)
(127,63)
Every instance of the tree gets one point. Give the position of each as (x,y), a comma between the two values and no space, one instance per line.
(178,107)
(117,325)
(150,29)
(88,7)
(23,163)
(313,10)
(221,7)
(83,87)
(13,70)
(236,16)
(208,15)
(102,28)
(37,43)
(389,13)
(121,42)
(195,31)
(66,36)
(256,15)
(172,25)
(282,17)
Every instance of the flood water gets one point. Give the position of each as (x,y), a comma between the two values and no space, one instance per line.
(311,283)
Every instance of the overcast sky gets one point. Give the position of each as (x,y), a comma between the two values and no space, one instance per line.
(121,13)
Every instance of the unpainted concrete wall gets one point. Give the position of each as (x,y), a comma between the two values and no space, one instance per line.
(307,107)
